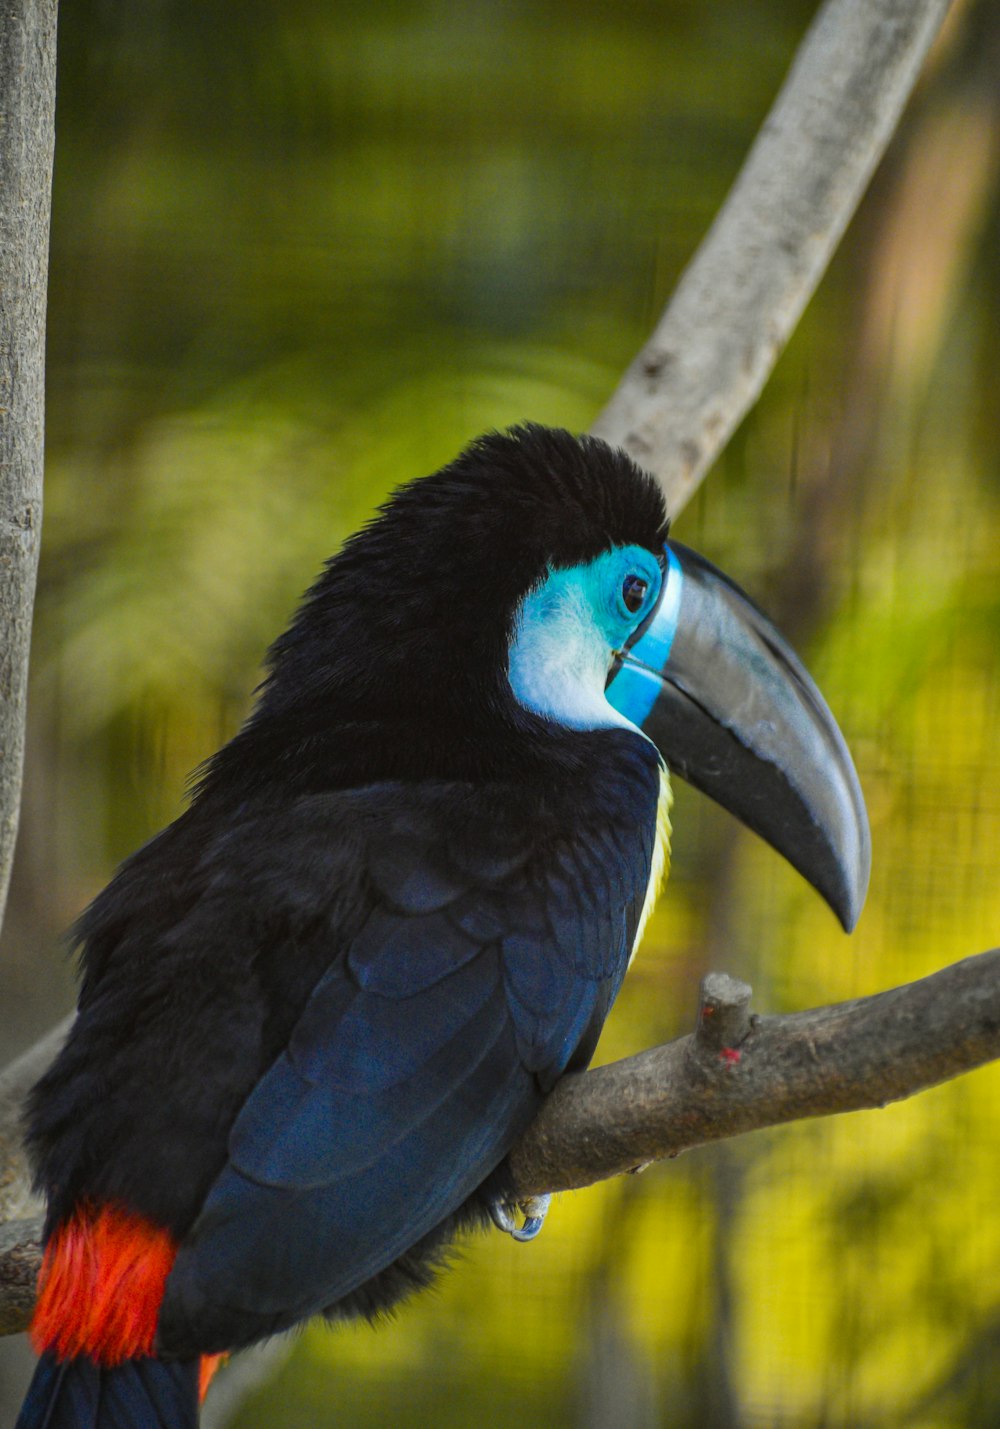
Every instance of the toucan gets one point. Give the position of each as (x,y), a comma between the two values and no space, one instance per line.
(318,1010)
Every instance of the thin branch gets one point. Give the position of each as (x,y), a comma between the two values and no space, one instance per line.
(741,296)
(736,1073)
(20,1221)
(16,1197)
(27,133)
(20,1259)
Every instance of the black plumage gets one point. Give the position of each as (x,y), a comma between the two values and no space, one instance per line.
(319,1008)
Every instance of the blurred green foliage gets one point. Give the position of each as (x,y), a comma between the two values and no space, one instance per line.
(304,251)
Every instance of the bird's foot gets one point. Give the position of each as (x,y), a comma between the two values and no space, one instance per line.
(535,1210)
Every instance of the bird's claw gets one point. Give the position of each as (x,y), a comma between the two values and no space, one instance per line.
(535,1210)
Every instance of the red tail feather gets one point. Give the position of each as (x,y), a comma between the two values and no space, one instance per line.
(101,1285)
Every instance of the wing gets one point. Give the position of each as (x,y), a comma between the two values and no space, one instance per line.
(493,945)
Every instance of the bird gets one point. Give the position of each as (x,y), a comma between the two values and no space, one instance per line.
(318,1010)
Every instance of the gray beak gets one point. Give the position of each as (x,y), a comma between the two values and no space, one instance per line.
(734,712)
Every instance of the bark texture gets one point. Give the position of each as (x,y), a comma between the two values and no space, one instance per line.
(27,130)
(738,1073)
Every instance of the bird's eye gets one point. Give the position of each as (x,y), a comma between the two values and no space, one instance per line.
(634,590)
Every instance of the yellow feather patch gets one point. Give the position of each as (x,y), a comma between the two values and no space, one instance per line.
(661,856)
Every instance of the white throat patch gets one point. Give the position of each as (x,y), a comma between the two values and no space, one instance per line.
(559,660)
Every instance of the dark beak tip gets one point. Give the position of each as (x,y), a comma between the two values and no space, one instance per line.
(841,871)
(851,905)
(847,905)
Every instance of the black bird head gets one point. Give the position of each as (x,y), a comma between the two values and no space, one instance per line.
(418,607)
(497,597)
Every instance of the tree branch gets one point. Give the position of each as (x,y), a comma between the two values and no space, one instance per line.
(16,1081)
(735,1073)
(744,291)
(20,1260)
(27,133)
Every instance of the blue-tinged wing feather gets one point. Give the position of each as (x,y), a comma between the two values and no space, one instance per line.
(400,956)
(411,1155)
(331,1106)
(474,976)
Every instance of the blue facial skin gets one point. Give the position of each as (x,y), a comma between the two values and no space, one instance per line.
(637,685)
(568,630)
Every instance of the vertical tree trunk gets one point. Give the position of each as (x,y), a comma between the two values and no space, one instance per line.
(27,129)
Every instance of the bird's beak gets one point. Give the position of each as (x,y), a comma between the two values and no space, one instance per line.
(732,710)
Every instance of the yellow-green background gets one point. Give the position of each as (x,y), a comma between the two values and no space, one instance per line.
(304,250)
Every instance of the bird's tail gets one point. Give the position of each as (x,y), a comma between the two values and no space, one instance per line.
(139,1394)
(94,1329)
